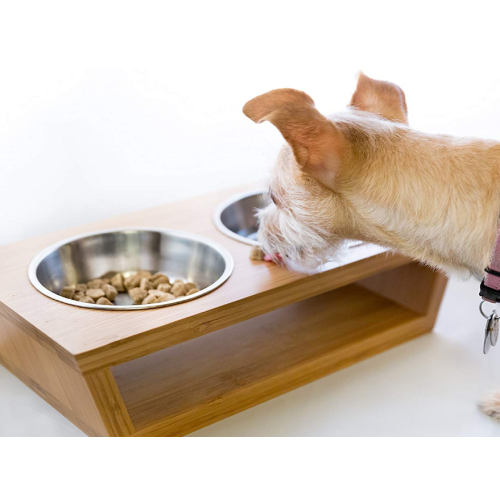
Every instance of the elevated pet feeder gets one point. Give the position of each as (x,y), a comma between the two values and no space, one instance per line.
(172,370)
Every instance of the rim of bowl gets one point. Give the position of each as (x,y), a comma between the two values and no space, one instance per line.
(228,270)
(222,206)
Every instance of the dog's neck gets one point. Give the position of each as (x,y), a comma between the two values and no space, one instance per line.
(434,198)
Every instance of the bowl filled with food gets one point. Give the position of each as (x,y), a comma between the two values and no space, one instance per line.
(130,269)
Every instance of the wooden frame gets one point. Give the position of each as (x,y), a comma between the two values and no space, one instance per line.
(173,370)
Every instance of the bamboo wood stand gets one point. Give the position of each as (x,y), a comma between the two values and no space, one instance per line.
(170,371)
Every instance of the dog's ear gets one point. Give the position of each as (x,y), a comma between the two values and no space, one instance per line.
(317,144)
(381,98)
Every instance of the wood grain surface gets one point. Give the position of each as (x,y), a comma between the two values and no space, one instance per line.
(46,373)
(101,339)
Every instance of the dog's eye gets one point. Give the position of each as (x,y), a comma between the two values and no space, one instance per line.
(271,195)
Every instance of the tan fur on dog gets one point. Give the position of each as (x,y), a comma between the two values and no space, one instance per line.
(381,98)
(364,174)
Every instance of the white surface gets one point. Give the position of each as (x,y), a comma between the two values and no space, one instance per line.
(110,107)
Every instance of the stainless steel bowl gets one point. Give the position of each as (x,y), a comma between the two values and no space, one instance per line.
(236,217)
(178,254)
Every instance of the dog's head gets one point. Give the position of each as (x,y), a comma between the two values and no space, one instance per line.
(316,203)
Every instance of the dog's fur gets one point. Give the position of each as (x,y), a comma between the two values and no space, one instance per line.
(364,174)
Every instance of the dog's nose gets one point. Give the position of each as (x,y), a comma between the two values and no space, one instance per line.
(269,258)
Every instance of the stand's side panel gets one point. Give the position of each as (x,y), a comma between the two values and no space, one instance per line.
(413,286)
(110,404)
(43,371)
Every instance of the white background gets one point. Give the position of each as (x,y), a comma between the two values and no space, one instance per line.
(107,108)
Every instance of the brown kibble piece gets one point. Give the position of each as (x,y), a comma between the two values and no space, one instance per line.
(193,290)
(157,275)
(143,274)
(132,282)
(155,293)
(97,283)
(81,287)
(95,293)
(164,287)
(166,297)
(137,294)
(87,300)
(78,295)
(159,279)
(103,301)
(150,299)
(110,291)
(178,289)
(146,284)
(189,285)
(68,291)
(117,282)
(256,253)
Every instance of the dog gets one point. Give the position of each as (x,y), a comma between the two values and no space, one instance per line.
(364,174)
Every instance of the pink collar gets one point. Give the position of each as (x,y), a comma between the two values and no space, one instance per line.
(490,286)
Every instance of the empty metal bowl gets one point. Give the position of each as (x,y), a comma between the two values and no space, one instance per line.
(236,217)
(178,254)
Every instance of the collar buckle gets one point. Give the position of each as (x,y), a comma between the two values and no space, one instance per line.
(489,294)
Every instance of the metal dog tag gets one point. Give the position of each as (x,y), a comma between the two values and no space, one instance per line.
(494,330)
(491,332)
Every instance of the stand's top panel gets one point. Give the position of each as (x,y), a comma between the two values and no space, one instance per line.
(93,339)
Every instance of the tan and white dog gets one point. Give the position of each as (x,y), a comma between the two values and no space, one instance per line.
(364,174)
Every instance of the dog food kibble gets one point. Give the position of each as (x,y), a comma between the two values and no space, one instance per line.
(156,275)
(98,283)
(150,299)
(110,291)
(159,279)
(146,284)
(68,292)
(132,282)
(178,289)
(166,297)
(95,293)
(117,282)
(142,286)
(86,299)
(103,301)
(137,294)
(164,287)
(256,253)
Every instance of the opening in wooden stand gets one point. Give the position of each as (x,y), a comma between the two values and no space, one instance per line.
(240,366)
